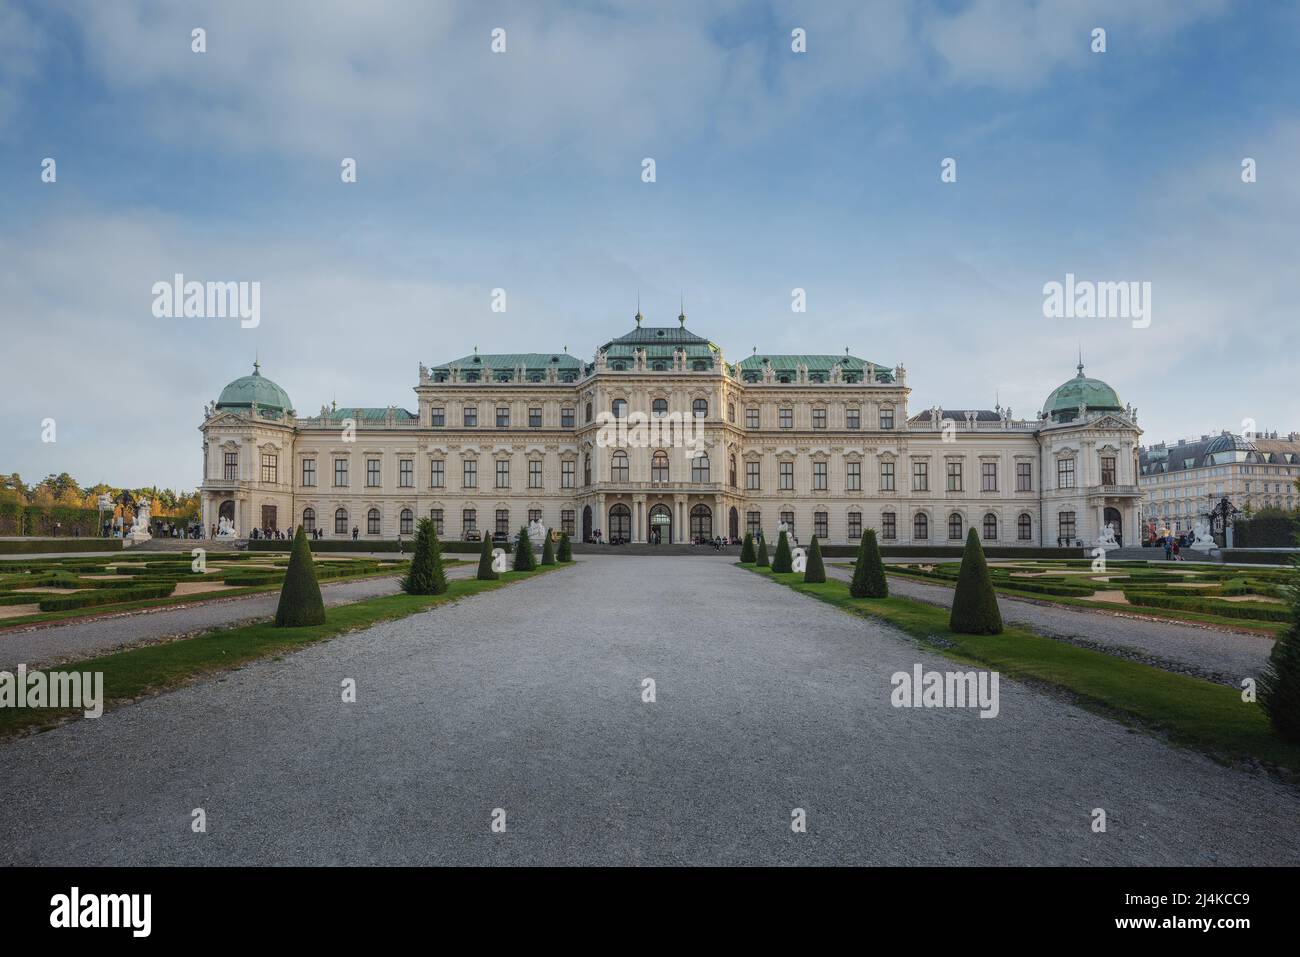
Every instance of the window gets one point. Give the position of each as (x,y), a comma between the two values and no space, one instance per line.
(990,527)
(787,418)
(437,473)
(659,467)
(1065,473)
(503,417)
(340,473)
(954,476)
(855,525)
(567,470)
(787,476)
(820,524)
(230,466)
(659,407)
(954,526)
(1024,477)
(731,412)
(853,419)
(888,525)
(920,476)
(1065,521)
(309,472)
(753,522)
(406,473)
(618,467)
(503,521)
(469,522)
(469,473)
(372,522)
(471,416)
(503,473)
(535,417)
(435,519)
(921,527)
(372,473)
(819,418)
(988,476)
(1024,527)
(620,408)
(309,520)
(341,521)
(406,522)
(700,408)
(566,417)
(731,471)
(534,515)
(588,411)
(586,469)
(752,476)
(270,467)
(1108,470)
(886,476)
(886,418)
(853,477)
(535,473)
(437,416)
(787,519)
(751,417)
(700,468)
(566,521)
(819,476)
(701,523)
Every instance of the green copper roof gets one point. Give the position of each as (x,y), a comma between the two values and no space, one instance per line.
(371,414)
(816,365)
(243,392)
(503,365)
(659,335)
(1063,404)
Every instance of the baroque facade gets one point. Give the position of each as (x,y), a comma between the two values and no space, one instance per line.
(659,438)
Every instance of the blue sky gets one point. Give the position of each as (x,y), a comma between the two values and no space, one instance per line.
(521,170)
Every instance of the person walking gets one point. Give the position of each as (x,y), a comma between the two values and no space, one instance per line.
(1178,549)
(354,533)
(1169,548)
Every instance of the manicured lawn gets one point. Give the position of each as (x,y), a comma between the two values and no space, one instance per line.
(1188,711)
(137,671)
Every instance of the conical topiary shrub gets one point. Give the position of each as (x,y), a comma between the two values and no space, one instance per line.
(300,601)
(524,560)
(747,555)
(782,561)
(975,603)
(869,572)
(814,571)
(1279,685)
(761,561)
(548,550)
(566,549)
(425,576)
(486,572)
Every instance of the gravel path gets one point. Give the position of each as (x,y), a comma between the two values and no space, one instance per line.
(44,645)
(1210,653)
(529,699)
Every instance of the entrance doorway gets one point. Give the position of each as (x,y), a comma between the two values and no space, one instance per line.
(1111,516)
(620,525)
(268,518)
(701,522)
(733,524)
(586,523)
(227,511)
(661,525)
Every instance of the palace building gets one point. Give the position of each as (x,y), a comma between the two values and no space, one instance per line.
(658,438)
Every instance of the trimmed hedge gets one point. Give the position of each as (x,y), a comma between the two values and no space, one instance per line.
(425,575)
(1204,606)
(361,545)
(107,596)
(300,602)
(782,561)
(762,561)
(747,555)
(814,570)
(1257,557)
(868,571)
(485,571)
(975,603)
(36,546)
(566,549)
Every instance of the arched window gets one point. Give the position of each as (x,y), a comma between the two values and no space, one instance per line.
(309,520)
(659,467)
(990,527)
(660,407)
(731,471)
(921,527)
(620,524)
(407,525)
(701,522)
(372,522)
(341,522)
(954,526)
(731,412)
(701,408)
(1024,527)
(586,464)
(618,470)
(588,411)
(700,468)
(620,408)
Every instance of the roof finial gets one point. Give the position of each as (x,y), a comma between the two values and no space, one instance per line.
(256,365)
(1080,366)
(638,309)
(681,316)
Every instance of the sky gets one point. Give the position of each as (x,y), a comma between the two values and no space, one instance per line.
(522,170)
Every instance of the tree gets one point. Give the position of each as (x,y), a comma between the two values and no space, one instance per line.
(975,603)
(814,571)
(486,572)
(761,561)
(1279,684)
(300,601)
(782,561)
(426,575)
(869,572)
(566,549)
(548,550)
(524,560)
(747,555)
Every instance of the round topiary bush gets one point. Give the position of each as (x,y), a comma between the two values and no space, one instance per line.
(814,571)
(869,572)
(782,561)
(425,576)
(974,603)
(486,572)
(300,601)
(747,555)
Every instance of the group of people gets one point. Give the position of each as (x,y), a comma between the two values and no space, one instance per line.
(1174,545)
(114,529)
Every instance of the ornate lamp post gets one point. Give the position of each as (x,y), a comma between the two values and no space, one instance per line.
(1221,517)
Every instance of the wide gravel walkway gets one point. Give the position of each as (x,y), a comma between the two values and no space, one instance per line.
(529,699)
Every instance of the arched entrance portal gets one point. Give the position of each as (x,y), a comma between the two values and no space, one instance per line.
(733,524)
(226,511)
(701,522)
(586,523)
(1112,517)
(620,524)
(661,525)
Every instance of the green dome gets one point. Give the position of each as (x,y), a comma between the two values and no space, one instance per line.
(1063,404)
(243,392)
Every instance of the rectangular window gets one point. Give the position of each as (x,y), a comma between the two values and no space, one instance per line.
(503,521)
(535,473)
(567,471)
(788,519)
(435,518)
(341,473)
(406,473)
(886,418)
(469,522)
(886,476)
(988,476)
(1024,477)
(752,475)
(471,416)
(888,525)
(819,418)
(787,476)
(566,418)
(751,418)
(437,473)
(1065,473)
(753,522)
(309,472)
(534,515)
(1066,526)
(819,476)
(855,526)
(787,418)
(821,524)
(920,476)
(954,476)
(535,417)
(1107,470)
(503,417)
(372,473)
(503,473)
(853,420)
(469,475)
(270,467)
(230,466)
(853,478)
(437,416)
(566,521)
